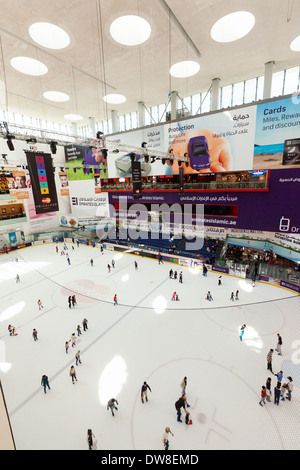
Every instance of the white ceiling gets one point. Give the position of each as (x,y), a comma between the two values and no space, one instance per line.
(94,65)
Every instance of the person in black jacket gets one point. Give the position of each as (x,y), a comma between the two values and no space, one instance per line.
(180,403)
(144,388)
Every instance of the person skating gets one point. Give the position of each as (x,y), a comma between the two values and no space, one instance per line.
(73,340)
(209,296)
(78,330)
(237,295)
(108,267)
(171,274)
(268,389)
(188,419)
(74,302)
(34,334)
(242,331)
(144,389)
(39,302)
(277,392)
(12,330)
(115,299)
(287,387)
(135,265)
(85,324)
(220,281)
(92,262)
(180,403)
(45,383)
(180,277)
(17,278)
(279,344)
(78,358)
(70,301)
(73,375)
(166,438)
(232,296)
(113,263)
(67,346)
(263,396)
(269,360)
(111,404)
(183,385)
(91,440)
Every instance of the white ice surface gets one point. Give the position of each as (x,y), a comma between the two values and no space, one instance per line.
(145,337)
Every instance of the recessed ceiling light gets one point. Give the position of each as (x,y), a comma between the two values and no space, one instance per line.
(29,66)
(114,99)
(56,96)
(233,26)
(130,30)
(49,35)
(184,69)
(73,117)
(295,44)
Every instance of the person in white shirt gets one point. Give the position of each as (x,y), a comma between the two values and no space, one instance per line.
(166,437)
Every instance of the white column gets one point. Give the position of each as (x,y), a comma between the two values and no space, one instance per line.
(173,105)
(268,79)
(74,128)
(141,114)
(114,121)
(215,95)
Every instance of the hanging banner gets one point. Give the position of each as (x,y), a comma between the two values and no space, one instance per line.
(42,181)
(64,183)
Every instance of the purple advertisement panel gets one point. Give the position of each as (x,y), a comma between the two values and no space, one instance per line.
(275,210)
(290,286)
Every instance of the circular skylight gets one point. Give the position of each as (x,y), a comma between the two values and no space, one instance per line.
(57,96)
(29,66)
(130,30)
(114,99)
(73,117)
(184,69)
(295,44)
(233,26)
(49,35)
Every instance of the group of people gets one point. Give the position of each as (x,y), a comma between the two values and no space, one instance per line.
(72,301)
(173,275)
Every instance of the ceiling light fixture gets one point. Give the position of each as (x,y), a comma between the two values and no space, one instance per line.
(130,30)
(56,96)
(295,44)
(233,26)
(184,69)
(29,66)
(114,99)
(49,35)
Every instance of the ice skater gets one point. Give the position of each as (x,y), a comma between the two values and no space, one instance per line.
(232,296)
(237,295)
(12,330)
(73,340)
(111,404)
(70,301)
(175,275)
(35,334)
(220,281)
(188,419)
(69,261)
(269,360)
(209,296)
(67,346)
(108,268)
(85,324)
(183,385)
(268,389)
(242,331)
(166,437)
(204,271)
(17,278)
(74,302)
(279,344)
(113,263)
(135,265)
(40,304)
(91,440)
(287,387)
(45,383)
(78,358)
(144,389)
(79,331)
(115,299)
(263,396)
(171,274)
(180,403)
(180,277)
(73,375)
(277,393)
(92,262)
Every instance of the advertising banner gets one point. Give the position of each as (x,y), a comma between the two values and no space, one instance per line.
(42,182)
(82,162)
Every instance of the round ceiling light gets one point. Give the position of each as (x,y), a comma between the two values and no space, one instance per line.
(184,69)
(29,66)
(233,26)
(73,117)
(114,99)
(130,30)
(295,44)
(49,35)
(57,96)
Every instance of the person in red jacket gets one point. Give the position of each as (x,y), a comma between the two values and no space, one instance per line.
(263,395)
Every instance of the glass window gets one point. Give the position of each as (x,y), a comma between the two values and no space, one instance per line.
(291,82)
(250,90)
(238,94)
(206,104)
(128,121)
(134,120)
(277,83)
(122,123)
(260,88)
(196,104)
(226,96)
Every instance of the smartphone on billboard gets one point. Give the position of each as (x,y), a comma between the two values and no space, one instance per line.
(199,153)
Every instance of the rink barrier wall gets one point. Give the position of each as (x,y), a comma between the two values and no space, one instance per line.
(167,258)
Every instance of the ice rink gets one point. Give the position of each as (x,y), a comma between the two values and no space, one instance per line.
(146,337)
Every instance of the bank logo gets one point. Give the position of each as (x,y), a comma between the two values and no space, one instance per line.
(74,201)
